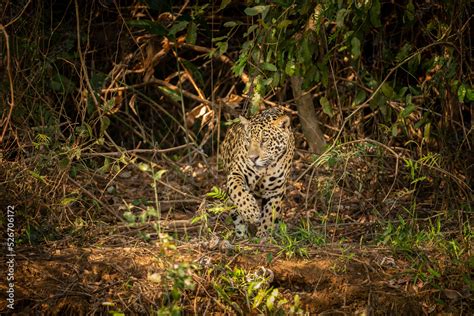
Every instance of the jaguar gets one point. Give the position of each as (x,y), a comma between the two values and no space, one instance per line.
(257,154)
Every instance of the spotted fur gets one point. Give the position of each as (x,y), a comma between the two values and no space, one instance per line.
(257,156)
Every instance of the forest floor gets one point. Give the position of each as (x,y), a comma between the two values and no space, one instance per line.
(168,263)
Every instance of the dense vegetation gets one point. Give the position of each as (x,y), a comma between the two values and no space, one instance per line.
(111,117)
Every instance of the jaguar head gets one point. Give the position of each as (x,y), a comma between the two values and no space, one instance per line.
(267,142)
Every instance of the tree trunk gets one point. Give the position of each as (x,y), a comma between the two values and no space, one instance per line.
(309,122)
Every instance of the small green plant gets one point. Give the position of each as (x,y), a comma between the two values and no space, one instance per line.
(297,242)
(455,250)
(108,305)
(138,216)
(402,236)
(219,206)
(255,287)
(135,215)
(221,195)
(178,281)
(180,276)
(173,310)
(415,167)
(142,216)
(290,244)
(425,272)
(166,244)
(309,235)
(340,266)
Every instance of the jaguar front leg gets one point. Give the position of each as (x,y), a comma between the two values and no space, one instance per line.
(241,229)
(247,210)
(271,209)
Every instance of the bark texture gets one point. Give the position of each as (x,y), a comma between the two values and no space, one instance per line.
(309,122)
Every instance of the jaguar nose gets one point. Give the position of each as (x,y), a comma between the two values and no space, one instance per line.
(253,158)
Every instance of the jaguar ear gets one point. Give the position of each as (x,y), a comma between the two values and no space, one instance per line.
(282,122)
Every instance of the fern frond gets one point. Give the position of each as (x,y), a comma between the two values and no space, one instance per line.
(218,193)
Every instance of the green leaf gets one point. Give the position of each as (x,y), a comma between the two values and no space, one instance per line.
(224,4)
(427,131)
(269,257)
(394,130)
(414,90)
(220,38)
(144,167)
(191,35)
(258,299)
(267,82)
(175,96)
(340,16)
(387,90)
(177,27)
(470,94)
(290,68)
(259,9)
(129,217)
(74,170)
(306,52)
(383,107)
(420,123)
(332,161)
(327,108)
(239,66)
(108,105)
(462,93)
(230,24)
(270,303)
(403,53)
(217,193)
(408,110)
(360,97)
(402,92)
(284,24)
(68,200)
(250,30)
(276,78)
(85,130)
(377,101)
(222,47)
(355,43)
(413,63)
(157,176)
(98,79)
(106,166)
(410,11)
(104,124)
(324,74)
(312,74)
(151,26)
(269,67)
(375,13)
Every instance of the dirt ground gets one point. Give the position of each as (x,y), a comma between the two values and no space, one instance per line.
(102,268)
(67,279)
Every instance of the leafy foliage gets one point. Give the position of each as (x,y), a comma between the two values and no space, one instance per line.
(92,88)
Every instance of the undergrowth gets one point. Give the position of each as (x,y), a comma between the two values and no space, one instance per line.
(97,97)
